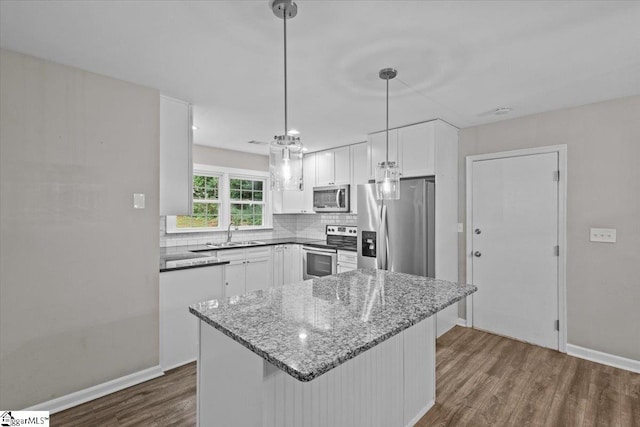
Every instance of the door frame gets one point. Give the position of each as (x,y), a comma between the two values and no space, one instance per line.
(561,150)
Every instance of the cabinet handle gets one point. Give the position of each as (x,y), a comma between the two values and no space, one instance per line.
(226,283)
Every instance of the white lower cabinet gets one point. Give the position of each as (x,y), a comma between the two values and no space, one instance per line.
(178,327)
(248,270)
(347,261)
(287,264)
(234,278)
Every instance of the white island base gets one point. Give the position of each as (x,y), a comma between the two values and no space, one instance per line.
(391,384)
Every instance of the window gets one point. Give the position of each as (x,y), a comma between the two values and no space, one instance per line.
(247,201)
(206,204)
(224,195)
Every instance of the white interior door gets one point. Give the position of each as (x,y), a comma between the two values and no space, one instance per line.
(514,228)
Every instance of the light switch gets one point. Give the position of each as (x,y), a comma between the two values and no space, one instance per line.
(138,200)
(460,227)
(603,235)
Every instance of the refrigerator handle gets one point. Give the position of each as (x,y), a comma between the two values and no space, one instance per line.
(383,244)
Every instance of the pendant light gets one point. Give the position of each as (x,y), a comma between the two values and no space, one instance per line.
(285,151)
(387,173)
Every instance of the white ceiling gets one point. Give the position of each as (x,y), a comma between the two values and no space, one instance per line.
(461,59)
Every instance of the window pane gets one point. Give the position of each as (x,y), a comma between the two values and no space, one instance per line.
(211,193)
(212,182)
(246,195)
(198,193)
(212,210)
(257,185)
(246,184)
(199,181)
(257,195)
(234,194)
(257,210)
(183,221)
(199,209)
(235,184)
(198,221)
(236,211)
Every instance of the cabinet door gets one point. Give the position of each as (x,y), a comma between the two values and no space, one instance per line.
(341,166)
(378,151)
(234,277)
(359,171)
(176,168)
(292,264)
(292,201)
(324,168)
(278,265)
(258,274)
(417,145)
(309,178)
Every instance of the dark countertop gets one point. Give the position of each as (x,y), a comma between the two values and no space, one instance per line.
(178,251)
(310,327)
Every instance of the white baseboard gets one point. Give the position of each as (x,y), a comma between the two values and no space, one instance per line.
(604,358)
(420,414)
(76,398)
(461,322)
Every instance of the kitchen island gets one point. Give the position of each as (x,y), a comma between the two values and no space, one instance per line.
(356,348)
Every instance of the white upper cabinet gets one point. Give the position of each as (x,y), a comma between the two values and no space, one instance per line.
(417,149)
(378,149)
(176,168)
(309,178)
(359,171)
(412,147)
(333,167)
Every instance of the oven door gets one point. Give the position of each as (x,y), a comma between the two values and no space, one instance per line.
(318,262)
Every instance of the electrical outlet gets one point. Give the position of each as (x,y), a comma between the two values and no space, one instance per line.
(603,235)
(138,200)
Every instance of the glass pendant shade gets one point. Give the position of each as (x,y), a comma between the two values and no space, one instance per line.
(285,163)
(388,181)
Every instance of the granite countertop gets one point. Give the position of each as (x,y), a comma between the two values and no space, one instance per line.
(201,250)
(309,328)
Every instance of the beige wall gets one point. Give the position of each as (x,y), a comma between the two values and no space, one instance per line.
(229,158)
(78,265)
(603,280)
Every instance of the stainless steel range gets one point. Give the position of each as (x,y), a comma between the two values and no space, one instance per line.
(320,258)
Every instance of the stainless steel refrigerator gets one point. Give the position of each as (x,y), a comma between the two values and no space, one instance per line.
(398,235)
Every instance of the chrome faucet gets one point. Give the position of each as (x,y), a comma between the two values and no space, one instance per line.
(229,234)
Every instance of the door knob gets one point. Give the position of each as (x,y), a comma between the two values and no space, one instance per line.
(477,231)
(477,254)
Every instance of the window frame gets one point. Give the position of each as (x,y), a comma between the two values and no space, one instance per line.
(224,199)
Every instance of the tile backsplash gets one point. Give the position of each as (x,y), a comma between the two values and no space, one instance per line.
(310,226)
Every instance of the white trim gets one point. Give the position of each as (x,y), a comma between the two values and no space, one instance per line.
(604,358)
(421,413)
(561,150)
(462,322)
(76,398)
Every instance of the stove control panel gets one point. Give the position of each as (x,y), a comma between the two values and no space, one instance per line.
(342,230)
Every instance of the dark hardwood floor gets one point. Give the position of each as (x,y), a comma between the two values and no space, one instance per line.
(482,380)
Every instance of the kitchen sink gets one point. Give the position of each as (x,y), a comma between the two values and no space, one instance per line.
(229,245)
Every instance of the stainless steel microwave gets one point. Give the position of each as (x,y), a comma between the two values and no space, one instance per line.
(333,198)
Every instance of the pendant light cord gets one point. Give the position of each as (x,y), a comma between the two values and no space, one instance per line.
(285,72)
(387,156)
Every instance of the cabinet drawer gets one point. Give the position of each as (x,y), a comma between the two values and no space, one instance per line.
(231,254)
(263,251)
